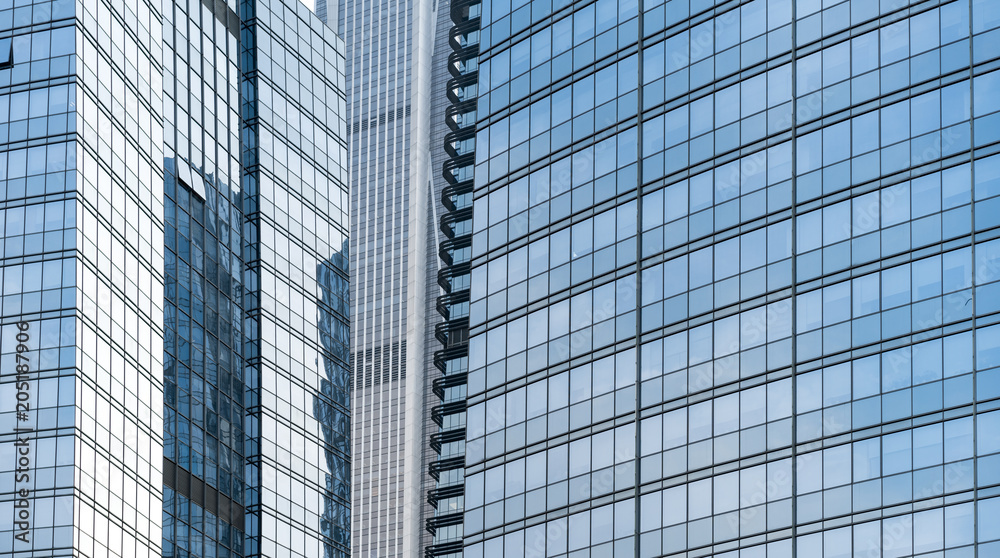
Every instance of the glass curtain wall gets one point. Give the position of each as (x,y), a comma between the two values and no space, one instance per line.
(204,437)
(734,279)
(296,252)
(82,262)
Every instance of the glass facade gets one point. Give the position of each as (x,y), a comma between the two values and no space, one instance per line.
(81,325)
(398,55)
(175,313)
(380,111)
(734,279)
(296,254)
(203,460)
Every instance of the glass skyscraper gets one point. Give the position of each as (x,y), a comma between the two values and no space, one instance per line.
(81,126)
(175,272)
(396,68)
(296,217)
(735,280)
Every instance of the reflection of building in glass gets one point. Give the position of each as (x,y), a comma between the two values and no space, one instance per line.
(202,364)
(395,74)
(734,280)
(334,327)
(174,187)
